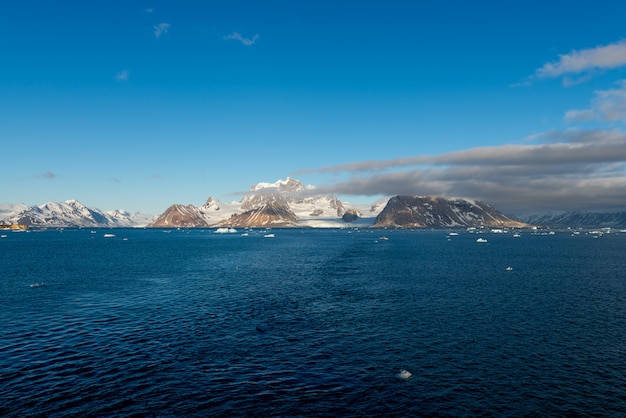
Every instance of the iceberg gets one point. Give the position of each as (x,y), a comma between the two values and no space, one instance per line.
(225,231)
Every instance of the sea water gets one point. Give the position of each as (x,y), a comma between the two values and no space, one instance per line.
(311,322)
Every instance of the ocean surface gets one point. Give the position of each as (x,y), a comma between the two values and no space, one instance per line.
(311,323)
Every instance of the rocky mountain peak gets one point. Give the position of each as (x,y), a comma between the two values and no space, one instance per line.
(272,214)
(181,216)
(438,212)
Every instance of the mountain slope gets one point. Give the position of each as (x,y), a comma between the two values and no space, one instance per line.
(7,210)
(437,212)
(181,216)
(579,219)
(269,215)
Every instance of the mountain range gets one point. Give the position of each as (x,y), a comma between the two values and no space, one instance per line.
(71,214)
(285,203)
(289,203)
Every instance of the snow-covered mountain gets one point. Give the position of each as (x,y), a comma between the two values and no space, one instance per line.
(73,214)
(437,212)
(300,199)
(7,209)
(266,204)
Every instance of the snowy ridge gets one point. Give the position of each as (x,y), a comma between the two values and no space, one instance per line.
(73,214)
(282,186)
(7,210)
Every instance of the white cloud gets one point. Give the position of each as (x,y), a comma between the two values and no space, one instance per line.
(576,62)
(122,75)
(245,41)
(579,115)
(607,106)
(161,29)
(611,104)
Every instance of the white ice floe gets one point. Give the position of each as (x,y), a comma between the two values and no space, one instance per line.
(225,231)
(404,374)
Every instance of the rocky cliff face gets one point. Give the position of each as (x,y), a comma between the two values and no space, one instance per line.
(181,216)
(351,215)
(436,212)
(269,215)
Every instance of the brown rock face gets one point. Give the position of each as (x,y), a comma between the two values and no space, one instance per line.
(350,215)
(269,215)
(180,216)
(437,212)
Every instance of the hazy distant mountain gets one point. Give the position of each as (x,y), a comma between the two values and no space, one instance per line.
(437,212)
(579,220)
(73,214)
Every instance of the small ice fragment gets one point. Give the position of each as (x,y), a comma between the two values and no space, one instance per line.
(404,374)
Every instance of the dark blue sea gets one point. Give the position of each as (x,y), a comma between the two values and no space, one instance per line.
(311,323)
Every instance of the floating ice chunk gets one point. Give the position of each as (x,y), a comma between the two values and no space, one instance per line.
(404,374)
(225,231)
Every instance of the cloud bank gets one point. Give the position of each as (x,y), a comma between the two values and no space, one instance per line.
(574,169)
(563,170)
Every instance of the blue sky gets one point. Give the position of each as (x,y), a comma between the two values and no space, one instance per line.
(137,105)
